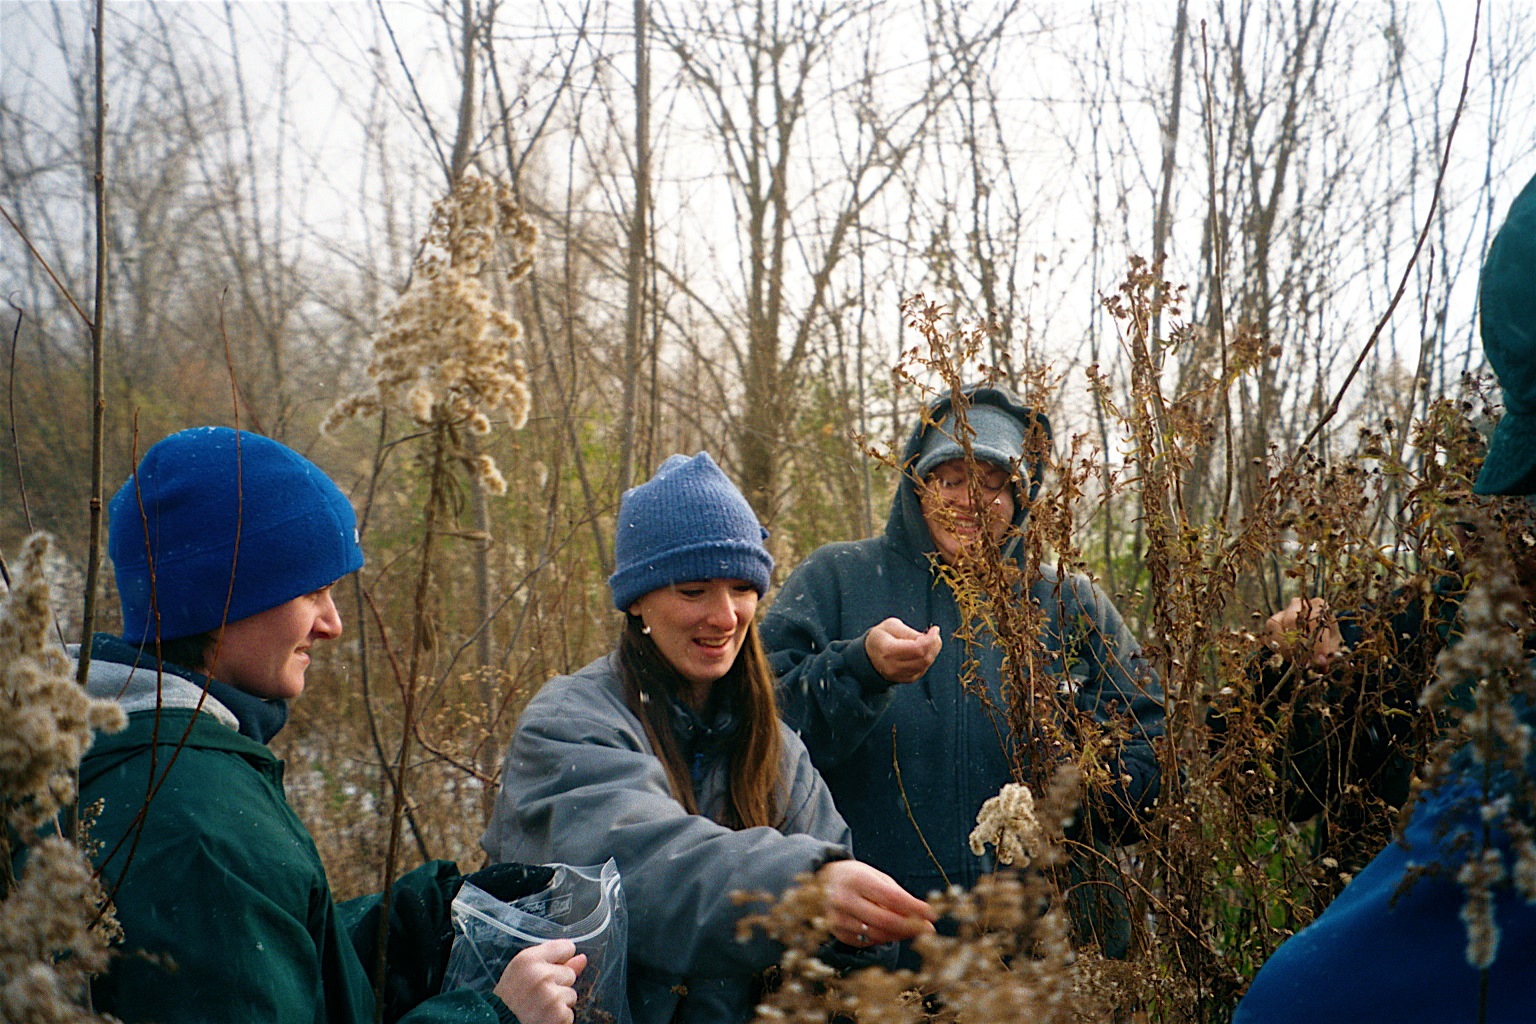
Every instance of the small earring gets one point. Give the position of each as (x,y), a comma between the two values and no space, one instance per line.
(646,630)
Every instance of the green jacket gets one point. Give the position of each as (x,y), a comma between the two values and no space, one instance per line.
(225,908)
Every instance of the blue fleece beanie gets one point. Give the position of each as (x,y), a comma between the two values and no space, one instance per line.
(220,503)
(688,522)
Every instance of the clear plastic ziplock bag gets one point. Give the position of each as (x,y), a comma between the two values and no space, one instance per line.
(582,904)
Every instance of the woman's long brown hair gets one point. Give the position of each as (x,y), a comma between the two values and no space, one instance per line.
(650,684)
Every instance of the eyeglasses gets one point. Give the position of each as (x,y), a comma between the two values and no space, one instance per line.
(950,485)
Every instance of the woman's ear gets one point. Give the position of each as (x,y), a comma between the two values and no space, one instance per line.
(634,609)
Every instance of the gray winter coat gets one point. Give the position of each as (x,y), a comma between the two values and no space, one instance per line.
(581,784)
(952,752)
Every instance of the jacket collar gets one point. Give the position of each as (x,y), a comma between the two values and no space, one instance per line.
(137,680)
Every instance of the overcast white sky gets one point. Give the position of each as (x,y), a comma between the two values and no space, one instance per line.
(333,189)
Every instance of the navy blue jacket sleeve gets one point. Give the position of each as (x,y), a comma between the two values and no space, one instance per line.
(1115,685)
(829,691)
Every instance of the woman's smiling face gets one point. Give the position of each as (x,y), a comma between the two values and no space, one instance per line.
(266,654)
(699,626)
(949,507)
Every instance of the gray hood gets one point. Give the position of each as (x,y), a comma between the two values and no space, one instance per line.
(142,689)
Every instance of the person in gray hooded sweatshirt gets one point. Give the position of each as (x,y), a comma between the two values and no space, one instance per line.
(668,755)
(862,637)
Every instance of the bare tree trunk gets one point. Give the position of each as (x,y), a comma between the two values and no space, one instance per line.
(458,165)
(1162,220)
(758,80)
(1257,296)
(462,138)
(480,558)
(98,345)
(639,238)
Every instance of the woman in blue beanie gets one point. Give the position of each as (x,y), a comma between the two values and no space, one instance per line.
(668,755)
(225,545)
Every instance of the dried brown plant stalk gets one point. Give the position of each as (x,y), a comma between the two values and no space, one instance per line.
(1039,722)
(443,353)
(1267,808)
(1008,958)
(443,357)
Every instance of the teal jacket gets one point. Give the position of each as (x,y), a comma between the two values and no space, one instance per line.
(225,908)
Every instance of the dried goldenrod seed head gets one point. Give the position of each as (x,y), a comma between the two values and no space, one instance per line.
(1008,823)
(442,353)
(46,719)
(55,926)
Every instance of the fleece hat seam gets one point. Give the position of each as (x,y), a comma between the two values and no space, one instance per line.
(997,437)
(703,547)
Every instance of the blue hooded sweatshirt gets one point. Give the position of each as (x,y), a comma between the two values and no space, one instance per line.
(910,765)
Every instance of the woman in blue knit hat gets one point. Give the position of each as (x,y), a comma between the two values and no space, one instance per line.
(668,755)
(225,546)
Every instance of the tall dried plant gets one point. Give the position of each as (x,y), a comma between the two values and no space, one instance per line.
(1008,959)
(443,356)
(56,926)
(1221,874)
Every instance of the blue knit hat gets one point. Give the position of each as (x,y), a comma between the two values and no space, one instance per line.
(1508,299)
(220,503)
(688,522)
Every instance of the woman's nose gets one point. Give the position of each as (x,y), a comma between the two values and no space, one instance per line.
(722,610)
(328,622)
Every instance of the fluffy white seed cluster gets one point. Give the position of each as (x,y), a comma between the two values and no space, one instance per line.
(1524,871)
(56,929)
(443,351)
(1009,823)
(46,719)
(55,932)
(1478,876)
